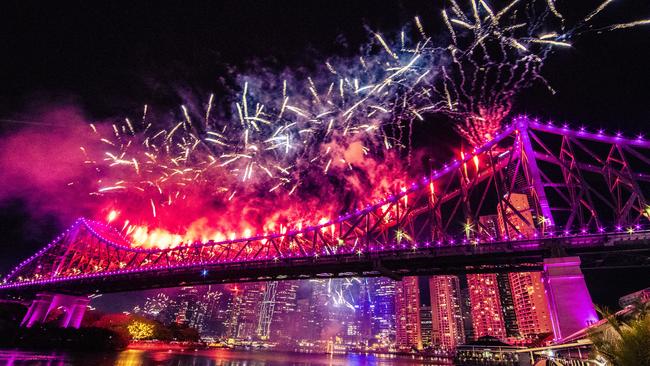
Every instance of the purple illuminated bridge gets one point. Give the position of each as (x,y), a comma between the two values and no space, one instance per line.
(536,197)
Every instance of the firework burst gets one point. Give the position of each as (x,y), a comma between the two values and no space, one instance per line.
(292,149)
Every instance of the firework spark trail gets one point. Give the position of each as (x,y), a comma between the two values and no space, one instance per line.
(333,133)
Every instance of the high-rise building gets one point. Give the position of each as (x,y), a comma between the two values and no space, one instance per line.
(364,310)
(447,320)
(407,314)
(383,310)
(267,307)
(190,310)
(489,226)
(515,223)
(283,325)
(234,309)
(508,306)
(426,325)
(530,303)
(304,320)
(216,302)
(318,310)
(487,316)
(248,321)
(466,308)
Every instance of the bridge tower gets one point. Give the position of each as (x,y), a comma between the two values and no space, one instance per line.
(46,305)
(569,302)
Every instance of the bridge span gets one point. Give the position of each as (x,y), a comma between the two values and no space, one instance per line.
(536,197)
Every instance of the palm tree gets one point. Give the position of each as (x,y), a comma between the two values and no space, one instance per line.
(626,339)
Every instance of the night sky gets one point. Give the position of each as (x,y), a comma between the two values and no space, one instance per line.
(108,59)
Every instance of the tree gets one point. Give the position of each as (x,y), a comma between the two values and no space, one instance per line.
(626,342)
(140,330)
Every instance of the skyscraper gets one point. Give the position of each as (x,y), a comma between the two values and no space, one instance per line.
(283,324)
(487,316)
(233,310)
(530,303)
(217,302)
(383,310)
(508,306)
(513,224)
(248,321)
(407,310)
(426,326)
(267,307)
(191,311)
(466,308)
(446,316)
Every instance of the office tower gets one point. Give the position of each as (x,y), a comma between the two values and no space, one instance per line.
(217,301)
(283,323)
(488,228)
(234,309)
(426,325)
(507,306)
(190,310)
(447,329)
(530,303)
(383,310)
(515,223)
(487,316)
(407,311)
(267,306)
(248,321)
(466,308)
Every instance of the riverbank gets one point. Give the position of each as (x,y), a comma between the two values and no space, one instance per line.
(222,357)
(54,338)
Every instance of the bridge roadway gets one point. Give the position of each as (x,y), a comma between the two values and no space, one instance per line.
(596,251)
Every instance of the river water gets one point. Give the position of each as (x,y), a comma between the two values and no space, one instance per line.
(217,357)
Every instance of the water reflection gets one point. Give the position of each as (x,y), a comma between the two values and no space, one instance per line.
(203,358)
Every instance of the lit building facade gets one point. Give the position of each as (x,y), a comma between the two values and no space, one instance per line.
(248,322)
(283,325)
(447,329)
(508,306)
(190,309)
(487,316)
(531,305)
(511,224)
(407,314)
(426,326)
(383,310)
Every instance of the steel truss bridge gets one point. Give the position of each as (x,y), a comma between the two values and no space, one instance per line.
(535,191)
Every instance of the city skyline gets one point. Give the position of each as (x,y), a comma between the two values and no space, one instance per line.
(375,313)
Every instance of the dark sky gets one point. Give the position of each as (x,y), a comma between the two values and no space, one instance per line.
(110,58)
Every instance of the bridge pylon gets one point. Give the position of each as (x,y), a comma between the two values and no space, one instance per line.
(67,310)
(570,306)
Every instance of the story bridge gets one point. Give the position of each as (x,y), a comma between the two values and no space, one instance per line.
(537,197)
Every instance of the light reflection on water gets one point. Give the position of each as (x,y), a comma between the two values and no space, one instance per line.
(203,358)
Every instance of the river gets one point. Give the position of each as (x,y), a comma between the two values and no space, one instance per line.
(216,357)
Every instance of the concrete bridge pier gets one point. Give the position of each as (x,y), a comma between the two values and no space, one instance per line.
(570,305)
(73,308)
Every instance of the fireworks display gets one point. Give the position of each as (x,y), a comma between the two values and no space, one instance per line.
(293,152)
